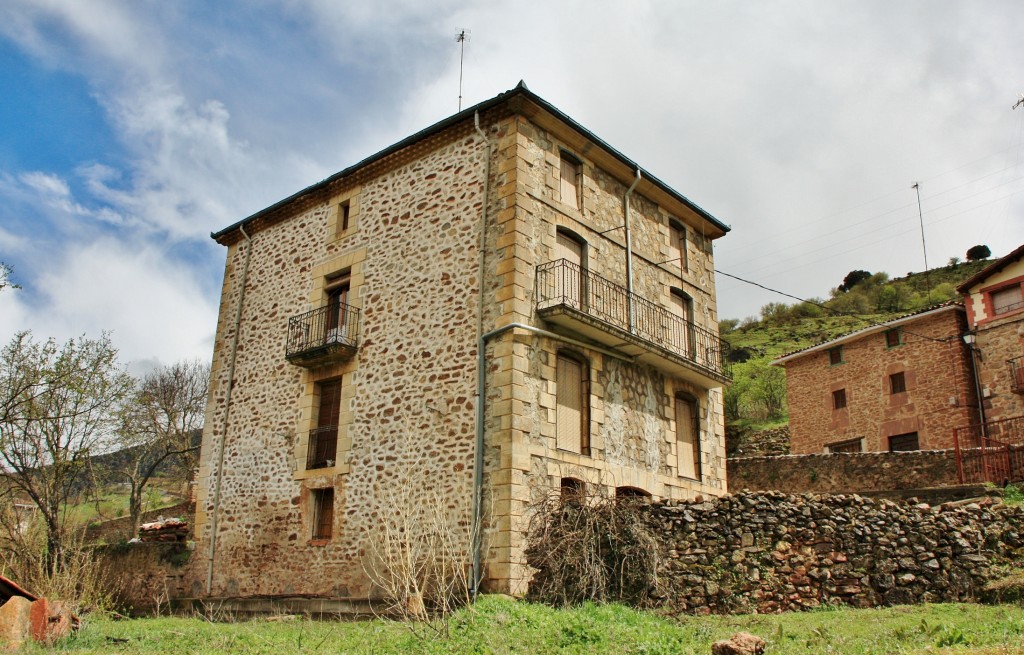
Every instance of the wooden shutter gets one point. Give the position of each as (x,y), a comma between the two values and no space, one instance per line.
(570,278)
(323,513)
(1006,300)
(330,404)
(688,437)
(569,412)
(677,241)
(569,188)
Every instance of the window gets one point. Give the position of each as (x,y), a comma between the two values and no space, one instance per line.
(893,338)
(572,411)
(344,216)
(688,436)
(339,326)
(677,244)
(897,383)
(572,280)
(323,439)
(681,334)
(323,513)
(903,442)
(569,190)
(1007,300)
(839,399)
(573,490)
(631,493)
(835,355)
(848,446)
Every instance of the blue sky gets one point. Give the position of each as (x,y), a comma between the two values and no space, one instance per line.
(130,131)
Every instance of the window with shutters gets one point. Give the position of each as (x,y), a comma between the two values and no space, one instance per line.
(688,436)
(677,245)
(681,333)
(322,501)
(893,338)
(570,181)
(835,356)
(572,279)
(340,318)
(323,439)
(572,411)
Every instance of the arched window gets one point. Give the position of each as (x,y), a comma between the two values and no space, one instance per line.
(634,493)
(571,281)
(573,490)
(572,411)
(682,333)
(688,436)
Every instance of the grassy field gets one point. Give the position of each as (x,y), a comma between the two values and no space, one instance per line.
(502,626)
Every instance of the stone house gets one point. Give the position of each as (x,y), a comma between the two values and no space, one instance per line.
(899,385)
(497,307)
(994,297)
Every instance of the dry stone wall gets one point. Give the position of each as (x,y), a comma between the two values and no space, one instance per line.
(772,552)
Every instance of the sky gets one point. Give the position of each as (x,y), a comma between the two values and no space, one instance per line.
(131,130)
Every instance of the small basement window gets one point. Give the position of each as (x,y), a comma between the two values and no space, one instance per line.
(848,446)
(903,442)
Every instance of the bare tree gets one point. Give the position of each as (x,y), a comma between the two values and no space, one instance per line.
(58,406)
(5,277)
(160,425)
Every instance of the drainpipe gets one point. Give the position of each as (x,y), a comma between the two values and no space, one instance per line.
(227,411)
(629,250)
(478,475)
(478,465)
(977,382)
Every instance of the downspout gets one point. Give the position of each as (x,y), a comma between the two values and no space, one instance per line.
(478,473)
(977,389)
(227,412)
(481,362)
(629,251)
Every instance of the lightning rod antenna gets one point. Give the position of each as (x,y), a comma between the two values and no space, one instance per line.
(461,39)
(924,249)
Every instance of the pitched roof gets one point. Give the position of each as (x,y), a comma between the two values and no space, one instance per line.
(871,329)
(991,269)
(520,91)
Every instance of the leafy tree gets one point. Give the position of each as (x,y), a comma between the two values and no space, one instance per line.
(5,277)
(978,252)
(852,279)
(58,406)
(159,426)
(954,261)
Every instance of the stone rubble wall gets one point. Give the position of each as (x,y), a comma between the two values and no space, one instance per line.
(844,472)
(772,552)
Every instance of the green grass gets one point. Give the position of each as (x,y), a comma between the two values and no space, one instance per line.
(502,626)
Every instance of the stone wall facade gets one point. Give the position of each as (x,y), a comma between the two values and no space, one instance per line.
(1000,338)
(844,472)
(439,245)
(939,390)
(772,552)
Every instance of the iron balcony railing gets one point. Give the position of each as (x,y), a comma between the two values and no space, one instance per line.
(564,283)
(323,447)
(323,332)
(1016,374)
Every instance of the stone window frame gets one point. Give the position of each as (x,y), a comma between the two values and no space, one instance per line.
(323,277)
(349,201)
(839,400)
(835,356)
(846,446)
(887,337)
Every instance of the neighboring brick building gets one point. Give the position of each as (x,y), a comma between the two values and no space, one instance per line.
(350,324)
(899,385)
(995,312)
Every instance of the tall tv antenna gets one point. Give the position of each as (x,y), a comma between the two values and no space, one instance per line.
(924,248)
(461,39)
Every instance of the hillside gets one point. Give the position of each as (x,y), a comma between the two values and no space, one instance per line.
(757,395)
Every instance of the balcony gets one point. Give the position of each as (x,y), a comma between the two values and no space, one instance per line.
(1016,374)
(323,336)
(588,304)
